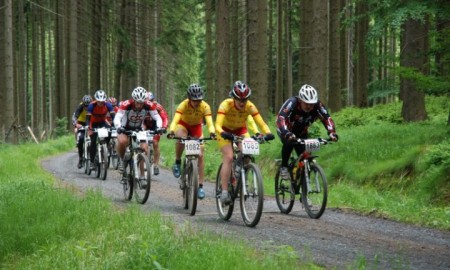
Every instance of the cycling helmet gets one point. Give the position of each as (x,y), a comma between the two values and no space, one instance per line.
(100,95)
(307,94)
(241,90)
(86,100)
(150,96)
(113,101)
(195,92)
(139,94)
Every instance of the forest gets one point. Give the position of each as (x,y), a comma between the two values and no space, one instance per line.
(356,53)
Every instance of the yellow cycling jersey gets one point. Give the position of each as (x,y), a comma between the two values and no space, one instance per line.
(251,125)
(229,117)
(192,116)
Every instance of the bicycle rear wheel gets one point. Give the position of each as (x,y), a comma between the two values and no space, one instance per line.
(127,178)
(252,196)
(225,211)
(142,181)
(314,191)
(192,186)
(284,193)
(103,166)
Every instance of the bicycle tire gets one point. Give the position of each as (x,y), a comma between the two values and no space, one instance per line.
(284,193)
(104,165)
(225,211)
(128,183)
(183,178)
(97,164)
(141,188)
(192,186)
(252,201)
(315,192)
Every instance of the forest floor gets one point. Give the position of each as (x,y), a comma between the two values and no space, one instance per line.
(340,239)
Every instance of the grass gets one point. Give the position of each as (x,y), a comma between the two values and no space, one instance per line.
(46,226)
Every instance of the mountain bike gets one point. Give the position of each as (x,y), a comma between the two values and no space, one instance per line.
(245,183)
(113,157)
(136,176)
(189,171)
(101,156)
(150,152)
(308,181)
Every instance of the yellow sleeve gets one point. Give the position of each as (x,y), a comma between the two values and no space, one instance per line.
(209,124)
(259,120)
(219,122)
(176,119)
(251,125)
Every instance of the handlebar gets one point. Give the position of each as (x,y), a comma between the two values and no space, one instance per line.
(320,140)
(182,139)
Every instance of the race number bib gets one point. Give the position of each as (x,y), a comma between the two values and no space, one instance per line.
(312,145)
(250,147)
(141,136)
(192,147)
(102,132)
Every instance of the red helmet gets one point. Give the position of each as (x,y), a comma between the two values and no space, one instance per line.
(241,90)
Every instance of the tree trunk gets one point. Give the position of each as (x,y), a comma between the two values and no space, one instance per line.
(414,44)
(222,50)
(362,62)
(8,115)
(210,97)
(334,83)
(280,97)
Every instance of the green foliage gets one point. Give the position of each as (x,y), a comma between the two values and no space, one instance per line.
(61,127)
(428,84)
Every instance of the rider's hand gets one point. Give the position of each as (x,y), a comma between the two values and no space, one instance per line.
(120,130)
(269,137)
(171,135)
(290,136)
(90,132)
(212,136)
(161,131)
(334,137)
(227,135)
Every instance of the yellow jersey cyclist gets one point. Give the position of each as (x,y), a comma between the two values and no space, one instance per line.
(231,119)
(78,121)
(188,121)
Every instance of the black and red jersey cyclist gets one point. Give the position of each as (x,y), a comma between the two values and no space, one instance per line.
(151,124)
(294,118)
(96,118)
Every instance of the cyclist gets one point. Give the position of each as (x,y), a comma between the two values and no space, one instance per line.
(95,118)
(130,116)
(187,121)
(113,102)
(294,118)
(78,121)
(151,124)
(232,116)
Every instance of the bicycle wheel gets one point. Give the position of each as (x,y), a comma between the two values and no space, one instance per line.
(114,155)
(314,191)
(151,159)
(142,178)
(104,161)
(192,186)
(183,179)
(252,195)
(284,193)
(97,163)
(87,164)
(127,181)
(225,211)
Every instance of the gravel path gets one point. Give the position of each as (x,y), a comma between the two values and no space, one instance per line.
(337,240)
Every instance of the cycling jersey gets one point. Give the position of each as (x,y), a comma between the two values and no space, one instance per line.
(230,119)
(96,115)
(291,118)
(187,115)
(131,119)
(79,116)
(150,123)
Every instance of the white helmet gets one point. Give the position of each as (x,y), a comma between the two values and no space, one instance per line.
(308,94)
(100,95)
(139,94)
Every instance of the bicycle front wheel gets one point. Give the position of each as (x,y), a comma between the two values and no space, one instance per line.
(142,178)
(192,186)
(284,193)
(127,181)
(314,191)
(252,195)
(225,211)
